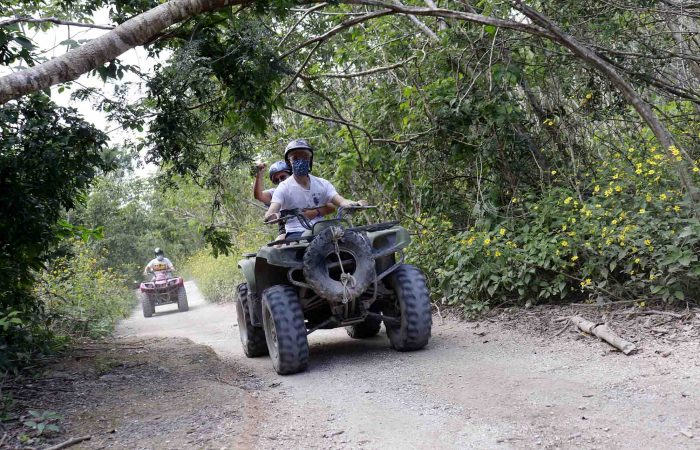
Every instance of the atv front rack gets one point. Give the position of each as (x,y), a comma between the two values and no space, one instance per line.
(364,228)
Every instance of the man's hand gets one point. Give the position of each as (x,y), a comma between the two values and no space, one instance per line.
(259,167)
(271,216)
(355,203)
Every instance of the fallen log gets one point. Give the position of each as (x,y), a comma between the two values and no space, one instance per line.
(603,332)
(70,442)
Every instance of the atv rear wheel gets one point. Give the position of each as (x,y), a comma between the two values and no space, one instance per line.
(182,305)
(367,329)
(413,308)
(252,337)
(147,305)
(285,330)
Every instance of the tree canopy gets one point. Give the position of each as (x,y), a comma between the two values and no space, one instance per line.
(538,150)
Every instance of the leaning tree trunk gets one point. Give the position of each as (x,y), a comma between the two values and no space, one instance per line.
(132,33)
(588,56)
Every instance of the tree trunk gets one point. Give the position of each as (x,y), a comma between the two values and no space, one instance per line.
(132,33)
(638,103)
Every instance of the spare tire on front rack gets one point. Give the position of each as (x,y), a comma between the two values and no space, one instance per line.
(334,280)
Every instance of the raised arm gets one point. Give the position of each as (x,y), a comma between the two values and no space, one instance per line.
(258,193)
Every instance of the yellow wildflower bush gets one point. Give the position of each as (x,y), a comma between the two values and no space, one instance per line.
(626,233)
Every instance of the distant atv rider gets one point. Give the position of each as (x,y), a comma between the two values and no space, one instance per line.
(159,263)
(303,190)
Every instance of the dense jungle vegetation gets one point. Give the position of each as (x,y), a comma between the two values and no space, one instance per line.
(538,151)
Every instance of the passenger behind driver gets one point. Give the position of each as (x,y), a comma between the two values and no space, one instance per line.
(278,172)
(303,190)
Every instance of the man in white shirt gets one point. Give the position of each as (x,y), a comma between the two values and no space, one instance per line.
(159,263)
(303,190)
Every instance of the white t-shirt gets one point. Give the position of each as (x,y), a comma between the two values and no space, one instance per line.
(157,266)
(291,194)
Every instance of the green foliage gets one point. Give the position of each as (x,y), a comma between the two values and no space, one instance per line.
(80,297)
(218,275)
(41,421)
(627,234)
(48,156)
(134,217)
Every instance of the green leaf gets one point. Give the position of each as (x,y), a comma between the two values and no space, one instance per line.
(24,42)
(491,289)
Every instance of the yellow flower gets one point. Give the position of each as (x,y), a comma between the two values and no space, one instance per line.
(648,197)
(676,208)
(614,222)
(637,260)
(596,188)
(567,201)
(554,172)
(618,189)
(574,258)
(497,254)
(487,241)
(502,231)
(651,172)
(642,210)
(647,242)
(564,243)
(696,170)
(674,150)
(663,196)
(589,96)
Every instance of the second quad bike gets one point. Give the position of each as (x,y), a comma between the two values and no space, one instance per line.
(162,290)
(334,275)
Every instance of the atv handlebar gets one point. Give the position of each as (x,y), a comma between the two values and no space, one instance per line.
(287,214)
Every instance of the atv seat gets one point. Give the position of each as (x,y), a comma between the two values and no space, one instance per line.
(249,255)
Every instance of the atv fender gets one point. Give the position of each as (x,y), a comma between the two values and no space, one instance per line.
(253,303)
(247,266)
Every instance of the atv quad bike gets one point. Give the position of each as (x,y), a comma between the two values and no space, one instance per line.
(163,290)
(334,275)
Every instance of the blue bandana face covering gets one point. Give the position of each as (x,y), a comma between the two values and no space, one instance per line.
(301,167)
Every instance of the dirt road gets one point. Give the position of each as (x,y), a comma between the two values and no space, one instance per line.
(180,380)
(477,385)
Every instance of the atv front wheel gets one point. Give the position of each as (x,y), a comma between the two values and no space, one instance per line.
(252,337)
(285,330)
(182,305)
(367,329)
(413,301)
(147,305)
